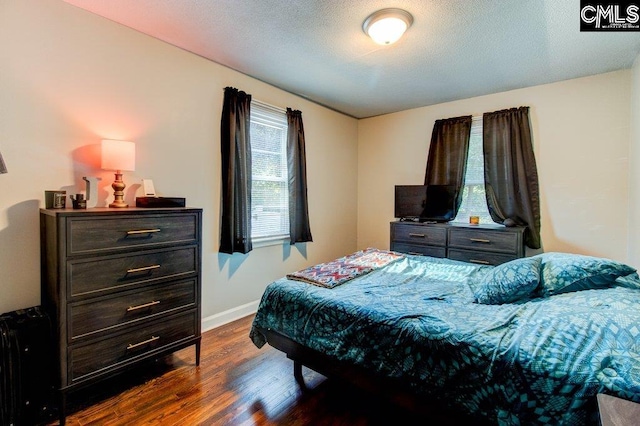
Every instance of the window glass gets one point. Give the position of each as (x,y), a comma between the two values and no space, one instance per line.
(474,202)
(270,193)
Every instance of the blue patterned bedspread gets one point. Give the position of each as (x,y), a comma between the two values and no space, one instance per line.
(538,361)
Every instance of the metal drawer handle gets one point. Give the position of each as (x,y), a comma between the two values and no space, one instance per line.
(479,240)
(415,253)
(143,231)
(146,305)
(482,262)
(135,345)
(144,268)
(411,234)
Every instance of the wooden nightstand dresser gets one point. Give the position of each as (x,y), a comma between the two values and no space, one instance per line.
(121,286)
(482,244)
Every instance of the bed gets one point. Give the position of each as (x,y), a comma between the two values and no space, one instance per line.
(532,341)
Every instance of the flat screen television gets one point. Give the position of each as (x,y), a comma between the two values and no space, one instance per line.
(425,203)
(410,201)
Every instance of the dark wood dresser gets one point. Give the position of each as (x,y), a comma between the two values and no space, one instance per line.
(482,244)
(121,286)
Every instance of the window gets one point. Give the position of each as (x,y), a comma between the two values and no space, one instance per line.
(474,202)
(270,182)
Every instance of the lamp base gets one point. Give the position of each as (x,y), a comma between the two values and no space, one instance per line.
(118,192)
(119,204)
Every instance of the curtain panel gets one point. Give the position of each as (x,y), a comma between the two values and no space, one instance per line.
(235,223)
(299,228)
(511,175)
(447,161)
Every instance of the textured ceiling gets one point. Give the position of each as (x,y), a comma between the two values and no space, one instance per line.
(455,49)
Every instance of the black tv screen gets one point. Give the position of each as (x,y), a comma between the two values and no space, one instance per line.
(440,203)
(432,203)
(410,201)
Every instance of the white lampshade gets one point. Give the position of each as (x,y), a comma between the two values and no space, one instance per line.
(118,155)
(386,26)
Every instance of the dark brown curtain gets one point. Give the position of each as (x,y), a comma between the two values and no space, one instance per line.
(447,161)
(511,176)
(299,228)
(235,229)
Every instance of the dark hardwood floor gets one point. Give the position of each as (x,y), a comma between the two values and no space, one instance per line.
(235,384)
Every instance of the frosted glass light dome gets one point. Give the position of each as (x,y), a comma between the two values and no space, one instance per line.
(386,26)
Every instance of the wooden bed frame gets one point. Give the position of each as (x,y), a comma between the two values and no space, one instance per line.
(397,391)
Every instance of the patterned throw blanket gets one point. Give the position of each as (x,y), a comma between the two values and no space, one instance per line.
(339,271)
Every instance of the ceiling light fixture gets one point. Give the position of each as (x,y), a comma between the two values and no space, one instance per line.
(386,26)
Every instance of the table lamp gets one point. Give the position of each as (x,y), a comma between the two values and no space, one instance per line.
(118,156)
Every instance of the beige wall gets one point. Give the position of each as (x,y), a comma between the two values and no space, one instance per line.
(581,134)
(634,168)
(70,78)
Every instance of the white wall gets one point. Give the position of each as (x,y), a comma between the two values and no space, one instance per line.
(634,168)
(581,135)
(70,78)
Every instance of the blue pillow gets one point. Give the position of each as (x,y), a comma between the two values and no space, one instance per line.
(508,282)
(566,272)
(629,281)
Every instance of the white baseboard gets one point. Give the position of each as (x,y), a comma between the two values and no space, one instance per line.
(216,320)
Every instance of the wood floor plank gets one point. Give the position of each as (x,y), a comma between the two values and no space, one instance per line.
(235,384)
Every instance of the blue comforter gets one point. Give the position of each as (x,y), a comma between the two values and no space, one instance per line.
(537,361)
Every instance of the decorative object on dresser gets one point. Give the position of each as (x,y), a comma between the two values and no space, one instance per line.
(55,199)
(157,202)
(118,156)
(91,190)
(121,286)
(78,201)
(481,244)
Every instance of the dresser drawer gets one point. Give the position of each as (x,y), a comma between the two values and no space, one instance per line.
(482,239)
(419,234)
(419,249)
(93,275)
(131,306)
(104,233)
(480,257)
(90,359)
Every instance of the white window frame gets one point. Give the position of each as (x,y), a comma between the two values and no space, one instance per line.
(269,115)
